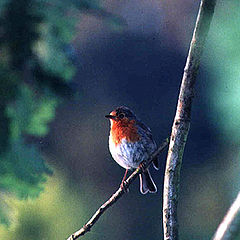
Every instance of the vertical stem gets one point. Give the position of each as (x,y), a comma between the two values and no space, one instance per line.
(181,122)
(230,225)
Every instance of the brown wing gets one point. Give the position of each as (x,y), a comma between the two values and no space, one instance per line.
(148,132)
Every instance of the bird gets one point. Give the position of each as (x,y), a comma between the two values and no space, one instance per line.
(130,144)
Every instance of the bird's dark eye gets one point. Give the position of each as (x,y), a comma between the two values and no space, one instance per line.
(121,115)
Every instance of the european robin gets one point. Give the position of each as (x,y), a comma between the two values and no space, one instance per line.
(131,143)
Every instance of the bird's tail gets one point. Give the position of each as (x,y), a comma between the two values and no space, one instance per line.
(146,183)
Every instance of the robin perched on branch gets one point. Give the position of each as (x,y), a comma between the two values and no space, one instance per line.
(131,143)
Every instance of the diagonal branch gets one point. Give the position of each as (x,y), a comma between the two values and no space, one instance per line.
(230,225)
(87,227)
(181,122)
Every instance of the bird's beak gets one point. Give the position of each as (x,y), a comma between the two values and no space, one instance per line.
(110,116)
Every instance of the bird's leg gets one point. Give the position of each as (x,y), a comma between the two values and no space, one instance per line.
(142,166)
(123,186)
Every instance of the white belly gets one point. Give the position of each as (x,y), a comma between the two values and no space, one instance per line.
(128,155)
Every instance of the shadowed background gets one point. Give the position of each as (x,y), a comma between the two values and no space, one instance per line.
(90,58)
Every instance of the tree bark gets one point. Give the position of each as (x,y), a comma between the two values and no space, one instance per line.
(181,122)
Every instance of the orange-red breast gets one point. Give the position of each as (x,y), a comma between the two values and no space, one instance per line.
(130,143)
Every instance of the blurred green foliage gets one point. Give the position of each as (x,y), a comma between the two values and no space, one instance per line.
(32,114)
(27,103)
(57,212)
(36,67)
(223,56)
(51,216)
(36,70)
(56,31)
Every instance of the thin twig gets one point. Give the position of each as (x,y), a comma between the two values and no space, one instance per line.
(230,225)
(181,122)
(87,227)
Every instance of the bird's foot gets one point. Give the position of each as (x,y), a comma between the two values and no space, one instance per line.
(124,187)
(142,166)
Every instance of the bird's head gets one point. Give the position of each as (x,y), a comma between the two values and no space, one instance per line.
(121,115)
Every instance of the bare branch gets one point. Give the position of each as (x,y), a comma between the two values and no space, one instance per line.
(181,122)
(230,225)
(87,227)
